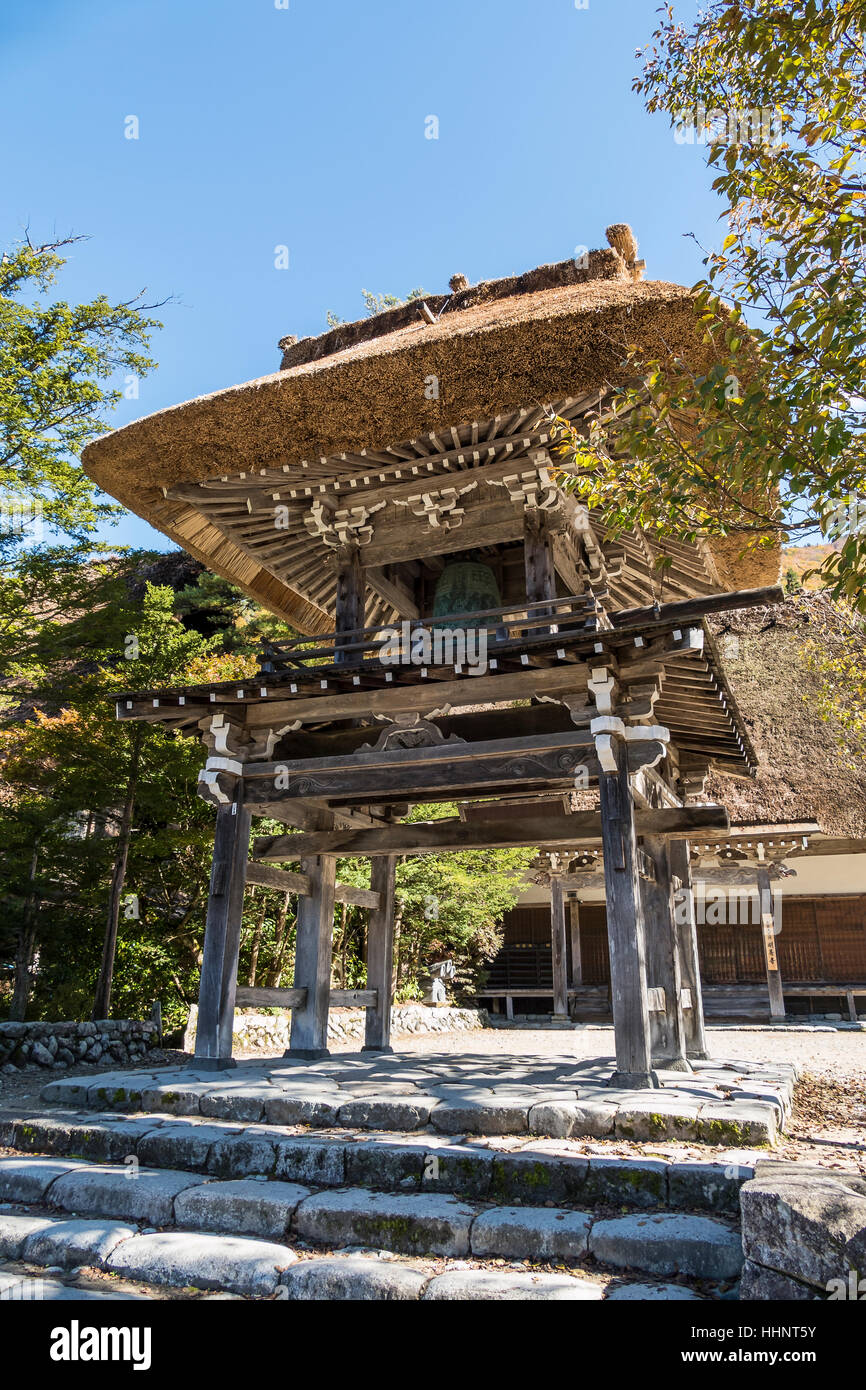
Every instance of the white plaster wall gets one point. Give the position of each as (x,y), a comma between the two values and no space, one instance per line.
(834,874)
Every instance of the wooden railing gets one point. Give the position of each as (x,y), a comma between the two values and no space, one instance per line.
(515,623)
(247,997)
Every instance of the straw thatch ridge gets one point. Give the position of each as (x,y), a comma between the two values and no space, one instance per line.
(497,356)
(595,265)
(806,770)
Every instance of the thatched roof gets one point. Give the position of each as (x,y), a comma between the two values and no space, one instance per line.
(557,333)
(806,768)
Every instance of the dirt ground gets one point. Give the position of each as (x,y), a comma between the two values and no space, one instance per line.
(828,1127)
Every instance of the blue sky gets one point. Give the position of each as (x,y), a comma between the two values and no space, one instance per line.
(305,127)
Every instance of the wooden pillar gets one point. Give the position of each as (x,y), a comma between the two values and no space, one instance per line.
(576,951)
(350,600)
(687,945)
(313,944)
(664,985)
(768,935)
(558,950)
(625,928)
(538,561)
(380,955)
(225,906)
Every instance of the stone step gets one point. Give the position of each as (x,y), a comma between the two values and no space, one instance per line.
(46,1256)
(21,1285)
(225,1213)
(538,1171)
(714,1104)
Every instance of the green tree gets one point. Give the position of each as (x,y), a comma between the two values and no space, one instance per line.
(56,364)
(100,777)
(767,438)
(217,608)
(446,905)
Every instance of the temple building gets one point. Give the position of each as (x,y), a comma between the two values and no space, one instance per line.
(468,634)
(806,808)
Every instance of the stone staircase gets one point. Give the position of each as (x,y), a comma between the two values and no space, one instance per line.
(146,1203)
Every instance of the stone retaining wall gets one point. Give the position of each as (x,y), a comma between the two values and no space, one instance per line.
(269,1033)
(70,1044)
(804,1234)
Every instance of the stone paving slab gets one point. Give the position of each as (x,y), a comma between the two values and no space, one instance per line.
(130,1194)
(354,1277)
(652,1293)
(28,1179)
(242,1103)
(76,1242)
(710,1185)
(669,1243)
(535,1170)
(244,1207)
(492,1286)
(179,1145)
(293,1108)
(644,1180)
(203,1261)
(480,1117)
(427,1223)
(657,1119)
(566,1119)
(15,1229)
(531,1233)
(378,1111)
(26,1288)
(721,1101)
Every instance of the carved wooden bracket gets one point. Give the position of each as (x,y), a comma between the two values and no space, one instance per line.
(533,487)
(341,525)
(410,731)
(218,778)
(648,742)
(439,506)
(227,743)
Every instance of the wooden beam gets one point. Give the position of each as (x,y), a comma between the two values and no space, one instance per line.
(422,696)
(687,947)
(349,601)
(662,960)
(434,837)
(377,773)
(480,726)
(558,950)
(355,897)
(538,562)
(268,876)
(693,608)
(768,939)
(484,525)
(309,1036)
(625,929)
(576,952)
(271,998)
(399,598)
(354,998)
(219,971)
(380,956)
